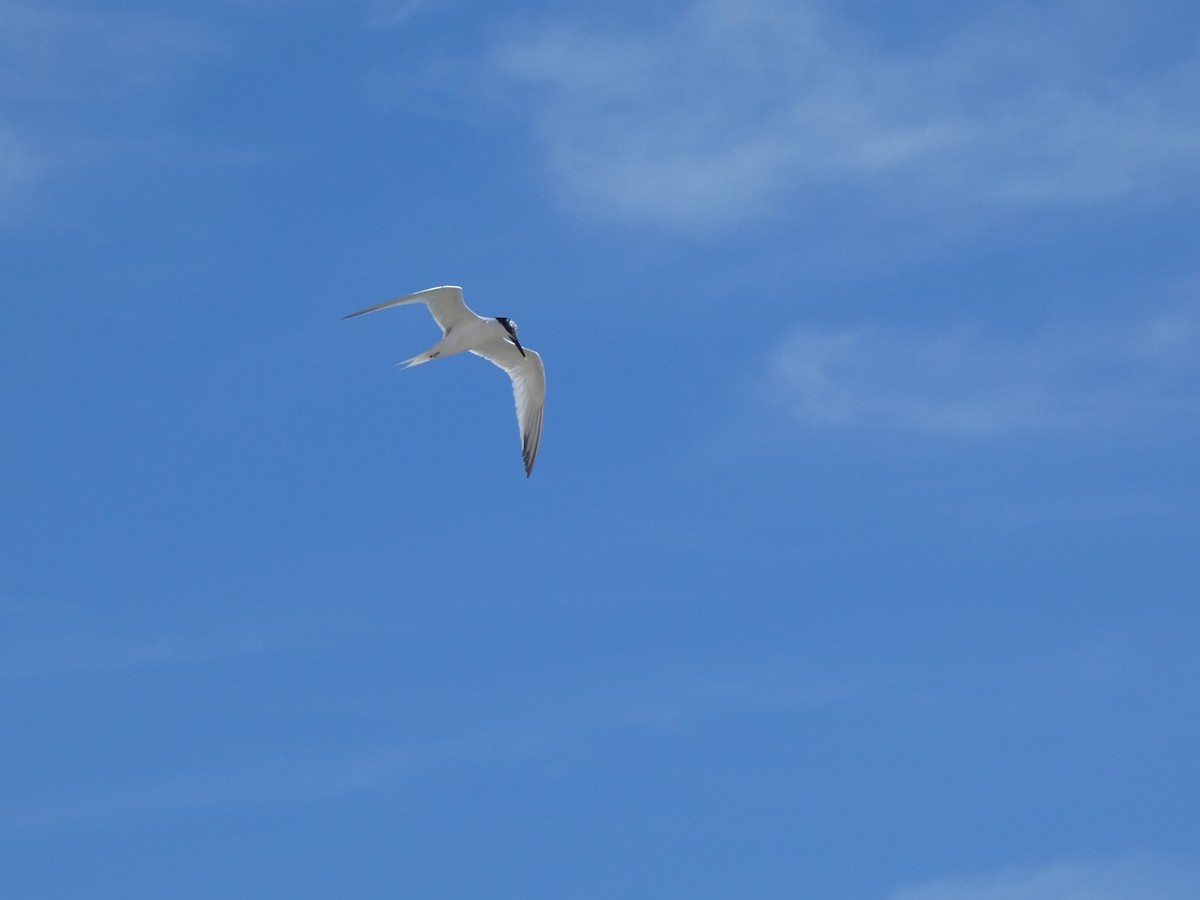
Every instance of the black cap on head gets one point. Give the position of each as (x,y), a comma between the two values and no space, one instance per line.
(511,327)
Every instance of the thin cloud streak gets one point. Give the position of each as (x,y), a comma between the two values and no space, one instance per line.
(62,654)
(72,55)
(61,66)
(21,170)
(1136,877)
(739,109)
(385,766)
(277,782)
(393,13)
(964,383)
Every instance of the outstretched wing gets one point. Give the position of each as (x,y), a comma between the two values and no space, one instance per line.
(529,391)
(445,305)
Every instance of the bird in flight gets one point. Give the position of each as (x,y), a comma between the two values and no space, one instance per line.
(495,340)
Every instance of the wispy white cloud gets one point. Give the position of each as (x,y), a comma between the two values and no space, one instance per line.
(656,700)
(279,781)
(56,640)
(963,382)
(26,656)
(1137,877)
(21,169)
(61,68)
(738,107)
(64,53)
(391,13)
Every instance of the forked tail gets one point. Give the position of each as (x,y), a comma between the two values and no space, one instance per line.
(419,359)
(441,348)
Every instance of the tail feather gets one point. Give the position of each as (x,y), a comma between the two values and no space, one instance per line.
(417,360)
(437,350)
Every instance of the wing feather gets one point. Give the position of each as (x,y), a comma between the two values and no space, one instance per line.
(529,391)
(445,304)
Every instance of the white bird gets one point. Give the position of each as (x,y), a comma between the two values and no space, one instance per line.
(493,339)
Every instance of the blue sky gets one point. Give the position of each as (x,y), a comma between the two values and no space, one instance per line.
(860,557)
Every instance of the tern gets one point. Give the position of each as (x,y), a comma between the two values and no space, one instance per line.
(496,341)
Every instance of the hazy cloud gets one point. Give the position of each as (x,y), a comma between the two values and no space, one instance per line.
(60,53)
(38,643)
(20,169)
(390,13)
(1135,878)
(657,699)
(61,68)
(743,106)
(963,382)
(279,781)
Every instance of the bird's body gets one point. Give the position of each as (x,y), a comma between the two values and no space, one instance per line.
(495,339)
(463,337)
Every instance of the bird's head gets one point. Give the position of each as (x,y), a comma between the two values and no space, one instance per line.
(511,327)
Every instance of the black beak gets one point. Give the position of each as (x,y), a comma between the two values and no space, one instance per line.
(518,343)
